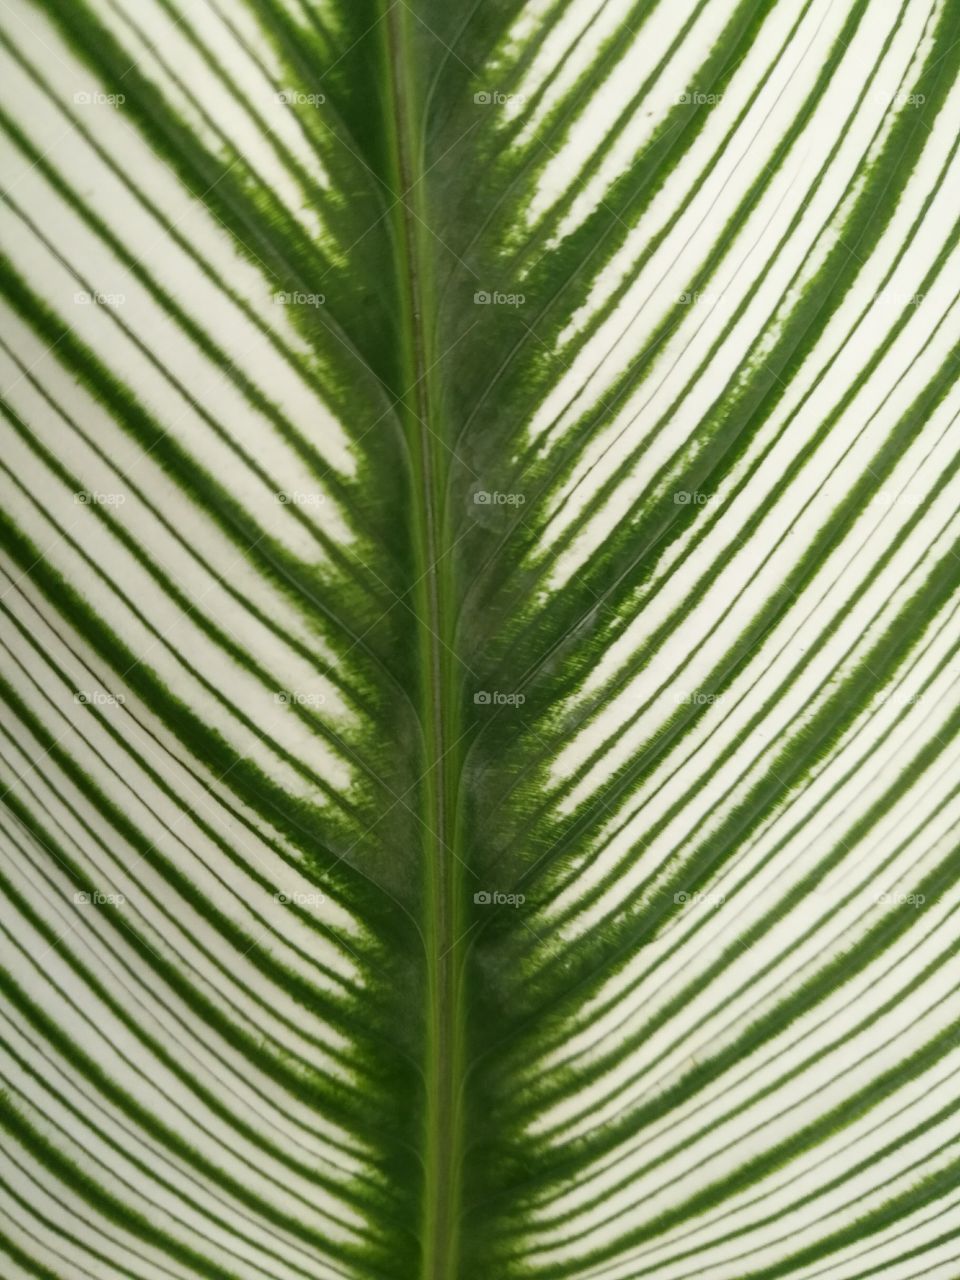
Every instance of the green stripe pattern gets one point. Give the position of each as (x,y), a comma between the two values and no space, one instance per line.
(480,650)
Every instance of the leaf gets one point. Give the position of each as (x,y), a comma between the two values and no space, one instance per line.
(480,564)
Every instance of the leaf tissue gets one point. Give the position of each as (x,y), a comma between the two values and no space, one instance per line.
(480,555)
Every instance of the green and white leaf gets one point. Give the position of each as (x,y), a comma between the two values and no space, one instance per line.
(480,648)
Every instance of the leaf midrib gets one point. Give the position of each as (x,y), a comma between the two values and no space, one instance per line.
(433,592)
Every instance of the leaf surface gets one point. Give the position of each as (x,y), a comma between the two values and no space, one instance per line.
(480,649)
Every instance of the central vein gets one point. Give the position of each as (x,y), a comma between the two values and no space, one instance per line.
(434,604)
